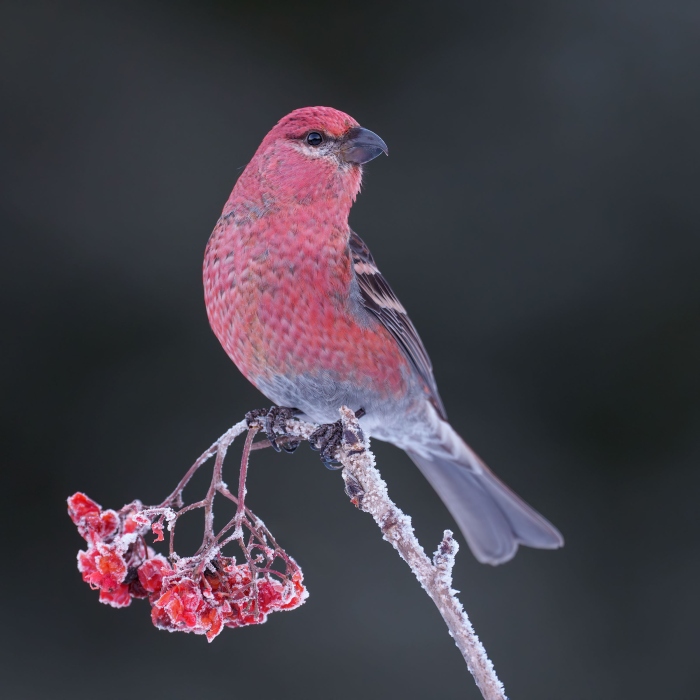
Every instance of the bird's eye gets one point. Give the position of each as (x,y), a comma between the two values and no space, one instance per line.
(314,139)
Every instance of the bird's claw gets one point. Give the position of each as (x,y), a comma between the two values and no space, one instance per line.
(327,439)
(254,415)
(275,425)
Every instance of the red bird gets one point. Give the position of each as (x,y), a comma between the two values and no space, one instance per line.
(296,300)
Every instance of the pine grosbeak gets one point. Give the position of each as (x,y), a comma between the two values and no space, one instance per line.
(296,300)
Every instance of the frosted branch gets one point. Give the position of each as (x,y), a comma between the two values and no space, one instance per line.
(367,490)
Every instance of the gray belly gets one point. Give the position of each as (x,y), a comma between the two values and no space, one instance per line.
(320,397)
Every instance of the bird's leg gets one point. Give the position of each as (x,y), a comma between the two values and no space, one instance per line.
(327,438)
(275,425)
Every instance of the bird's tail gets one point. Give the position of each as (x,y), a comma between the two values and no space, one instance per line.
(492,518)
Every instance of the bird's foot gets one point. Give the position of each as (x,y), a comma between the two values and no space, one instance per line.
(327,439)
(274,422)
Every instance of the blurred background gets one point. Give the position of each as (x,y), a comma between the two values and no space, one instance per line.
(538,216)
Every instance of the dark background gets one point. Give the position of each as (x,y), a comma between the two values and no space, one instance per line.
(538,216)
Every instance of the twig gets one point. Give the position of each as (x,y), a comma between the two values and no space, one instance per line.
(175,498)
(436,576)
(368,491)
(243,473)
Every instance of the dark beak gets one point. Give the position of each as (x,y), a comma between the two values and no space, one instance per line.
(361,146)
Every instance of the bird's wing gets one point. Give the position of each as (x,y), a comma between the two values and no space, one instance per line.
(379,299)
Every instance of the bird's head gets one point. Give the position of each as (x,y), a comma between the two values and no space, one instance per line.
(324,133)
(314,150)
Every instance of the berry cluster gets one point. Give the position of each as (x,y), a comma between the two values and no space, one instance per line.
(116,549)
(227,596)
(199,594)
